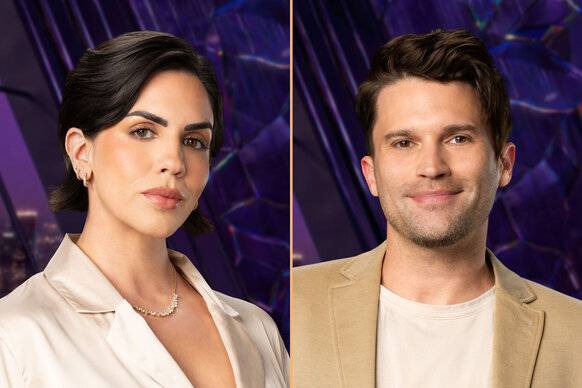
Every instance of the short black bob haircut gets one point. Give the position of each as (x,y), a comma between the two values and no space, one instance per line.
(102,88)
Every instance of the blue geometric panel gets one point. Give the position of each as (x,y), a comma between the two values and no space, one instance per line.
(247,197)
(535,226)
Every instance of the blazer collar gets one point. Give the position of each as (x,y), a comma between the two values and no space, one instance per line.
(354,300)
(78,280)
(354,313)
(517,329)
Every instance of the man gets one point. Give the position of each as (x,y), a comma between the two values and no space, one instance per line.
(431,306)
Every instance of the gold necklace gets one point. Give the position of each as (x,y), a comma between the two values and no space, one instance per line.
(169,310)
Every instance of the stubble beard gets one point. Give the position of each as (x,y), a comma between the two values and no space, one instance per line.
(429,235)
(434,234)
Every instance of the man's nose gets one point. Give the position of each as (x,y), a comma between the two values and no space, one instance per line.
(432,162)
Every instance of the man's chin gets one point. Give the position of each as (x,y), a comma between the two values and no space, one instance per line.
(435,242)
(440,236)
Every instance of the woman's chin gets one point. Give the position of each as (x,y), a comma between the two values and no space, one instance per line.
(158,231)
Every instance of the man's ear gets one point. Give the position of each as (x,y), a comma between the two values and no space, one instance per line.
(367,164)
(78,146)
(507,159)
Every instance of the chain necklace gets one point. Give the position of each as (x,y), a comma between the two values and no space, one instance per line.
(169,310)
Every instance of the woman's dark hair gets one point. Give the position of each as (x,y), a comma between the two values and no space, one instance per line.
(101,90)
(443,56)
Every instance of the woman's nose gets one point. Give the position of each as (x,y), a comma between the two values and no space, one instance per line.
(171,160)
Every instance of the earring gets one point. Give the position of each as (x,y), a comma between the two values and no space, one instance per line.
(85,180)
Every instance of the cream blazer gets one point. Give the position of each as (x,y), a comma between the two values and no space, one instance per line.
(69,327)
(537,332)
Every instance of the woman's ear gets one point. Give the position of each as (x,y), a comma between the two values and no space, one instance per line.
(78,147)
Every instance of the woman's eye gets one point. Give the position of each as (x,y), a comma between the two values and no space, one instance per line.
(195,143)
(459,139)
(143,133)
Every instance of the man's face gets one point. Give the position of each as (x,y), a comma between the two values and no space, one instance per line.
(434,167)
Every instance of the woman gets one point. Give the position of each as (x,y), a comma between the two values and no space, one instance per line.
(140,121)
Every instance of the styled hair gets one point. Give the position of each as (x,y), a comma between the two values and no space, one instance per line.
(102,88)
(443,56)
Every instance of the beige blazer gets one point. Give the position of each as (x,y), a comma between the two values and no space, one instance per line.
(537,332)
(69,327)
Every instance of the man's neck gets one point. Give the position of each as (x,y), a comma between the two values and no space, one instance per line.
(438,276)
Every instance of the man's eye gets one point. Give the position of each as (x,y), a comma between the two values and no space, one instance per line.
(143,133)
(403,144)
(195,143)
(459,139)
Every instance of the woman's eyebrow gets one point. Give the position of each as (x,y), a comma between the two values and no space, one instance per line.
(149,116)
(197,126)
(157,119)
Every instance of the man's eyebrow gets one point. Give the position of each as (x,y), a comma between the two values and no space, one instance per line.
(398,133)
(409,132)
(460,128)
(149,116)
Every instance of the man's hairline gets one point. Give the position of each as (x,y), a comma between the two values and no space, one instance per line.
(406,76)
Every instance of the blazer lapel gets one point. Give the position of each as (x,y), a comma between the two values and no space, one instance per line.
(131,339)
(354,311)
(517,329)
(244,355)
(245,358)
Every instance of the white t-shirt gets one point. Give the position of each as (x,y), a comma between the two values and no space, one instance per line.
(428,346)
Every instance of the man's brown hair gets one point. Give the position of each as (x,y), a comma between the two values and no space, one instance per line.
(442,56)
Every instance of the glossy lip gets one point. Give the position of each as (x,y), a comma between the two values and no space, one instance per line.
(434,196)
(163,197)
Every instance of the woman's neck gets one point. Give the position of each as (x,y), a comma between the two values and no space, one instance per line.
(137,265)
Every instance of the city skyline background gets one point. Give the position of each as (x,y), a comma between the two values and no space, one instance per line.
(247,254)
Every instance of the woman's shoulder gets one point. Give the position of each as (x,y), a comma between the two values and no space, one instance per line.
(20,299)
(29,305)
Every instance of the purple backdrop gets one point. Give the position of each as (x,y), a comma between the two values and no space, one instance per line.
(247,197)
(536,223)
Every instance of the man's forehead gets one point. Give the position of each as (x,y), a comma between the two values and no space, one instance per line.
(413,104)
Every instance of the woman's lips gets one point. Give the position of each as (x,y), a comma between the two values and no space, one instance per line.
(163,197)
(432,197)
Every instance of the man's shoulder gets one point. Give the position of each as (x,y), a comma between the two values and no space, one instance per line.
(556,303)
(534,295)
(321,270)
(561,337)
(311,282)
(337,269)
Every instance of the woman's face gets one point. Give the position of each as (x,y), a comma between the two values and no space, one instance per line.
(150,168)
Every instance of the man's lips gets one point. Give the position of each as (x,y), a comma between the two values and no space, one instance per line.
(163,197)
(433,196)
